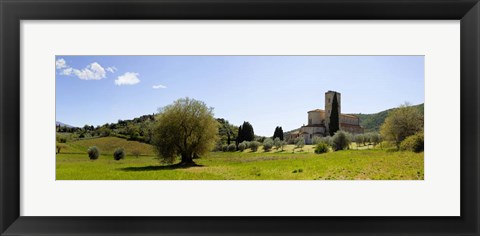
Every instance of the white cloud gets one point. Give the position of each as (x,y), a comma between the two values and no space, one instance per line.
(67,71)
(158,86)
(111,69)
(93,71)
(60,63)
(129,78)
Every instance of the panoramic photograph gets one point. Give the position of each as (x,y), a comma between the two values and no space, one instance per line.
(239,117)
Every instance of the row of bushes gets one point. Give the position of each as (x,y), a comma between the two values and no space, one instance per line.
(118,154)
(268,144)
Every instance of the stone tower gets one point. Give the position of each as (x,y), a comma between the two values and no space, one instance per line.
(328,106)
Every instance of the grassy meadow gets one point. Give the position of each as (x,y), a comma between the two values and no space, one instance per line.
(364,163)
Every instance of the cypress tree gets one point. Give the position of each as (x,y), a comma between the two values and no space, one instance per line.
(240,137)
(247,130)
(275,133)
(280,132)
(334,126)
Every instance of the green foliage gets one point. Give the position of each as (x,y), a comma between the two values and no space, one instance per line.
(119,154)
(373,122)
(254,145)
(359,139)
(93,153)
(277,143)
(401,123)
(184,128)
(300,142)
(316,140)
(242,146)
(341,140)
(226,131)
(267,144)
(278,133)
(321,148)
(225,148)
(232,147)
(328,140)
(334,124)
(245,132)
(413,143)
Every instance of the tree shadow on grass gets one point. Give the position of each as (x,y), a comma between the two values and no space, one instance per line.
(156,168)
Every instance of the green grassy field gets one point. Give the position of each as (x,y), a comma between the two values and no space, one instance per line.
(291,164)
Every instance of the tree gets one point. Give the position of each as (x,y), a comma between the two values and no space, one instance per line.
(300,142)
(245,132)
(267,144)
(334,125)
(226,130)
(277,143)
(359,139)
(240,137)
(400,123)
(341,140)
(278,133)
(185,128)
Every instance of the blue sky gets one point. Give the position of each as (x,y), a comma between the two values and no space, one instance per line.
(267,91)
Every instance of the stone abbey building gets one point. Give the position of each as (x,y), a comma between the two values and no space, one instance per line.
(318,121)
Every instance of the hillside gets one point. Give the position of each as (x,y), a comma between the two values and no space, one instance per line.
(372,122)
(107,146)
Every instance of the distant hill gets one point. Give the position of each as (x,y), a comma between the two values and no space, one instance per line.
(58,123)
(107,146)
(372,122)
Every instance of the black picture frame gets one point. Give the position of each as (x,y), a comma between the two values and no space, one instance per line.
(13,11)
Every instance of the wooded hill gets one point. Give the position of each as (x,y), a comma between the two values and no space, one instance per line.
(372,122)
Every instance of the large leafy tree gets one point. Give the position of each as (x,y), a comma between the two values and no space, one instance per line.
(400,123)
(185,128)
(334,124)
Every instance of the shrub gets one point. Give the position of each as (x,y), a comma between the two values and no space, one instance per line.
(328,140)
(299,142)
(283,144)
(375,138)
(241,146)
(316,140)
(119,154)
(232,148)
(62,140)
(341,140)
(93,153)
(254,145)
(321,148)
(359,139)
(267,144)
(413,143)
(277,143)
(225,148)
(247,144)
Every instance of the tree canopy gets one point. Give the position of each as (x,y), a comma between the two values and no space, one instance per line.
(245,132)
(334,124)
(278,133)
(185,128)
(401,123)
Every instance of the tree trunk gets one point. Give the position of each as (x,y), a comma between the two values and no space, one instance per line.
(187,160)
